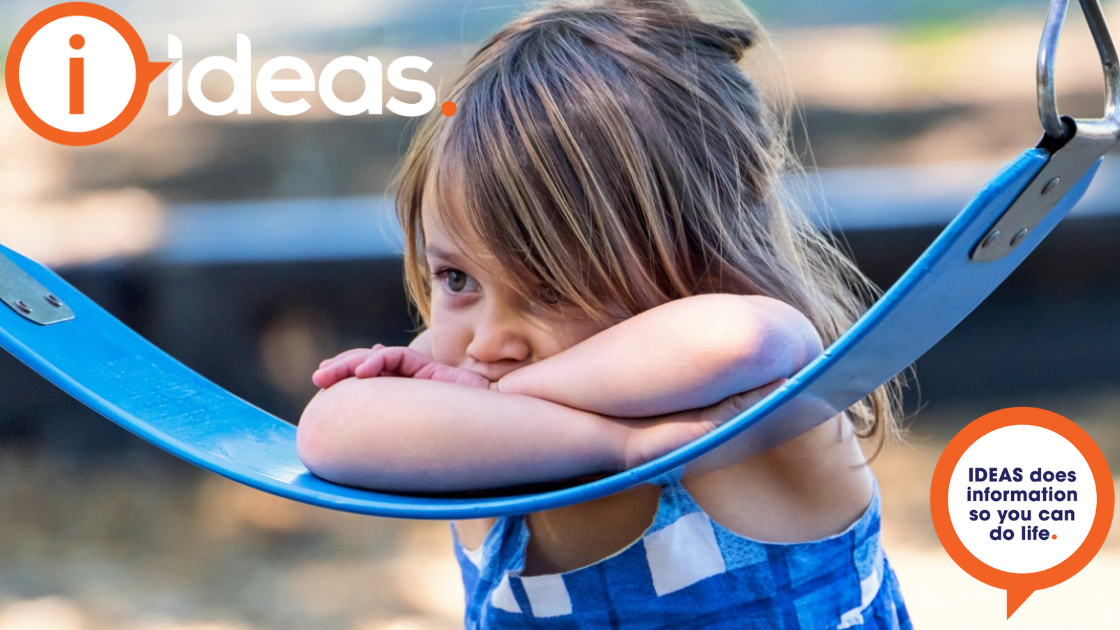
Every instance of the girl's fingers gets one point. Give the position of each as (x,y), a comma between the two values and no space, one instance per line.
(731,407)
(377,361)
(343,355)
(332,372)
(349,353)
(338,368)
(351,359)
(409,362)
(367,363)
(338,365)
(746,400)
(372,365)
(395,361)
(323,379)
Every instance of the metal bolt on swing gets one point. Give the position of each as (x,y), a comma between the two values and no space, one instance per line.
(28,297)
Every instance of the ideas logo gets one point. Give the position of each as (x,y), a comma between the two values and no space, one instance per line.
(78,74)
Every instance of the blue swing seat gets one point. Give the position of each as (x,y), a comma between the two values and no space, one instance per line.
(116,372)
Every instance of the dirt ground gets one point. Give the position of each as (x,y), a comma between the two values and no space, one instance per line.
(144,542)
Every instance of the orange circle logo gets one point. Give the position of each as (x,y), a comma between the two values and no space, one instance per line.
(1022,499)
(78,74)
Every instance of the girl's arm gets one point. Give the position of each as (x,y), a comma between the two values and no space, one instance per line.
(401,434)
(685,354)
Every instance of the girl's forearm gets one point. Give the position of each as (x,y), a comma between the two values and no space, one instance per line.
(399,434)
(685,354)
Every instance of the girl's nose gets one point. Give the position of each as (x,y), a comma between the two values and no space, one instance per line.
(498,340)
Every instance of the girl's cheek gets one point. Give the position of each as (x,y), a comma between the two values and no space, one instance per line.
(580,331)
(449,341)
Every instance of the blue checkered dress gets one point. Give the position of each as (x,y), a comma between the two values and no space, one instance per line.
(687,571)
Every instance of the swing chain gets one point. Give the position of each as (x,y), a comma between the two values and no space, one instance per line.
(1047,103)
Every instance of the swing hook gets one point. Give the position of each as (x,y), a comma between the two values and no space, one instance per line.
(1047,104)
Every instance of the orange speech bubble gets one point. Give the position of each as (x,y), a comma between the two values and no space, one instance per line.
(146,72)
(1019,586)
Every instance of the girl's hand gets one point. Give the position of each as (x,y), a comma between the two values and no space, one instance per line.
(649,439)
(392,361)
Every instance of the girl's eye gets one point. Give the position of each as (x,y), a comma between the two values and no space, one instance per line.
(454,280)
(547,296)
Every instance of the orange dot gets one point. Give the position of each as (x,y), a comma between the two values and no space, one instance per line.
(448,109)
(77,41)
(1053,536)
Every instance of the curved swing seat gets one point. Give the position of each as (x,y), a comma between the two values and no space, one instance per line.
(116,372)
(78,346)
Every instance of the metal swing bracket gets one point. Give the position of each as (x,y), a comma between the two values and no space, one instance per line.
(28,297)
(1075,145)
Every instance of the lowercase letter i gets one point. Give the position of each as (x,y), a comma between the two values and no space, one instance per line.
(77,77)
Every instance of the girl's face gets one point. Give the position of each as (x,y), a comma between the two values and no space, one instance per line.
(477,320)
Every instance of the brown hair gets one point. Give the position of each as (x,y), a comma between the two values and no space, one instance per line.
(614,152)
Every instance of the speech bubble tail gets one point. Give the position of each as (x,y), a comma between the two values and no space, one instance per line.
(152,69)
(1015,599)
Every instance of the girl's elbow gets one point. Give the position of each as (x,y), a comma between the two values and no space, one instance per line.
(781,341)
(314,444)
(326,441)
(799,340)
(339,440)
(785,351)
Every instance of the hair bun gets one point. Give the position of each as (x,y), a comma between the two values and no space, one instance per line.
(726,28)
(728,39)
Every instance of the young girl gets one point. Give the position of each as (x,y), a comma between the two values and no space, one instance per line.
(607,268)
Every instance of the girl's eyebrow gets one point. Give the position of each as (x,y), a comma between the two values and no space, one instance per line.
(437,252)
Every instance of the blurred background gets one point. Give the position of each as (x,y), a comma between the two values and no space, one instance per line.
(251,247)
